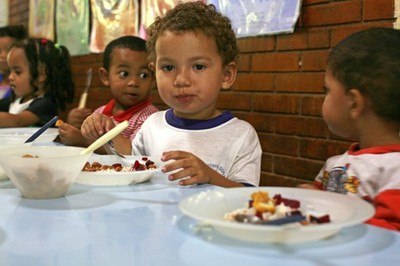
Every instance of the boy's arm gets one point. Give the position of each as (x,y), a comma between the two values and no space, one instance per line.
(23,119)
(219,180)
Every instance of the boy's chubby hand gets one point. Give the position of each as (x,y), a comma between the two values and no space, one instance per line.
(191,171)
(96,125)
(77,115)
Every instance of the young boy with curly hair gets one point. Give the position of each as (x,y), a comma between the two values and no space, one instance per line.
(194,54)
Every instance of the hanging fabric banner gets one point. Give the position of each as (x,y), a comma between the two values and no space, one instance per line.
(4,7)
(72,25)
(41,19)
(150,9)
(112,19)
(260,17)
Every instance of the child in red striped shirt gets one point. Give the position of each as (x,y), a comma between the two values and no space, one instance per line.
(125,70)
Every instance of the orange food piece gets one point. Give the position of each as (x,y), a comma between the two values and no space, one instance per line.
(262,202)
(59,122)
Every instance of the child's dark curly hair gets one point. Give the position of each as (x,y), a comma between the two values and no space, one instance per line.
(196,17)
(131,42)
(55,59)
(17,32)
(369,61)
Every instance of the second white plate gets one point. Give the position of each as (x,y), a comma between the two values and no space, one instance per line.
(116,178)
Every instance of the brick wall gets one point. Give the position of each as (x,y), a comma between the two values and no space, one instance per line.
(279,85)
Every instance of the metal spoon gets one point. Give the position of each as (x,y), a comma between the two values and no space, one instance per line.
(113,150)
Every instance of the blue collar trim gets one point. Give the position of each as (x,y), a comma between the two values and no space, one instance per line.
(192,124)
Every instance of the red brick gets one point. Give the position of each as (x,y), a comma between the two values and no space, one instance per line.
(297,167)
(256,44)
(299,82)
(267,162)
(321,149)
(261,122)
(244,63)
(292,41)
(288,61)
(312,105)
(273,180)
(314,60)
(234,101)
(301,126)
(332,13)
(373,9)
(318,38)
(276,103)
(254,82)
(279,144)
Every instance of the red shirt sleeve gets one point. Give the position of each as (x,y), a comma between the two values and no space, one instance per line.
(387,210)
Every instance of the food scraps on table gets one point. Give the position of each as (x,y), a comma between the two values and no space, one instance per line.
(262,209)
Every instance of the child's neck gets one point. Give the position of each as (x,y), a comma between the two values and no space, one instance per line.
(380,137)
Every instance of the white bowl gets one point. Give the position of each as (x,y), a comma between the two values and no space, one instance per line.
(47,176)
(116,178)
(209,208)
(18,135)
(3,175)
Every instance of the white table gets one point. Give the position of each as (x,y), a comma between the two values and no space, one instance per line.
(142,225)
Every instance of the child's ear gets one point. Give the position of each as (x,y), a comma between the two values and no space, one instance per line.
(357,103)
(152,67)
(103,73)
(229,75)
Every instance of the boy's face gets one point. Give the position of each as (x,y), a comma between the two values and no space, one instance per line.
(336,107)
(129,77)
(5,45)
(19,72)
(190,74)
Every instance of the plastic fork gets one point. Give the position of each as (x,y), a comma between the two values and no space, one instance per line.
(42,129)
